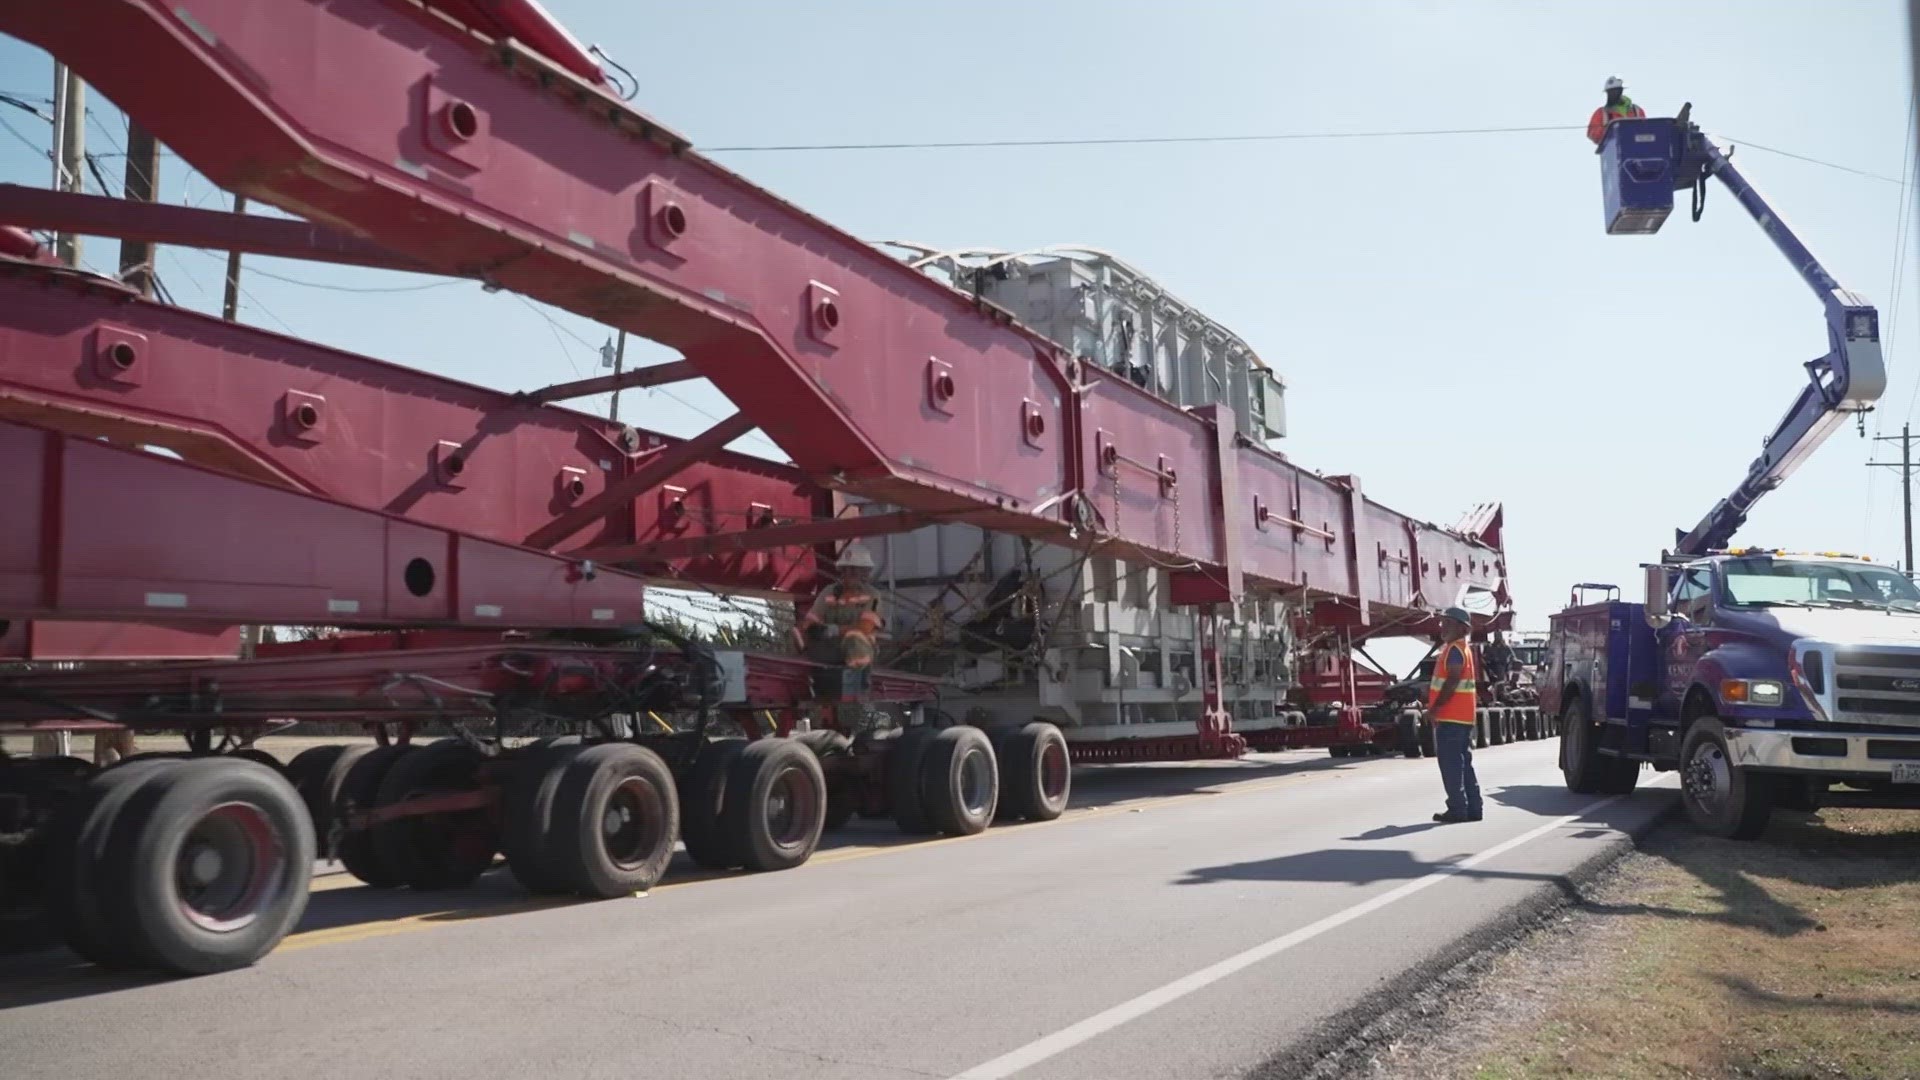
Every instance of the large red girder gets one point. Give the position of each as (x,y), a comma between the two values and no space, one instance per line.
(84,357)
(481,158)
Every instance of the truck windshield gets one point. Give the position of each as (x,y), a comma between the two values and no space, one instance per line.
(1786,583)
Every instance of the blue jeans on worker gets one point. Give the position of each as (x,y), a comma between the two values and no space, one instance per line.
(1454,745)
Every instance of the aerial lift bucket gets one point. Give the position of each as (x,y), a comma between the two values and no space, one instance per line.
(1639,171)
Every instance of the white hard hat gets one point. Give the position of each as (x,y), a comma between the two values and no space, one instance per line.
(1614,83)
(854,555)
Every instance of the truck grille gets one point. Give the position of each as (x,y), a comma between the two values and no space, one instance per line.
(1878,686)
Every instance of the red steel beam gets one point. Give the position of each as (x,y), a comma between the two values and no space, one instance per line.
(97,532)
(655,375)
(655,469)
(482,158)
(183,226)
(771,536)
(372,434)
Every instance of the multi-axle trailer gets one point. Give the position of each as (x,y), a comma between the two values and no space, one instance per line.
(168,476)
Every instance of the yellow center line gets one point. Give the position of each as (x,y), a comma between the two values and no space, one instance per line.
(339,935)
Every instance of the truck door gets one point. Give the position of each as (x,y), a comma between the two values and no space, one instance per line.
(1684,641)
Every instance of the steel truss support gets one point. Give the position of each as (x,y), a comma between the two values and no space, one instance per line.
(183,226)
(656,469)
(760,539)
(657,375)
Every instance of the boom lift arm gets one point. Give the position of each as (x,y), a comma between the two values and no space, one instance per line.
(1643,162)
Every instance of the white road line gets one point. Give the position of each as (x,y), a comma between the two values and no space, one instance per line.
(1100,1023)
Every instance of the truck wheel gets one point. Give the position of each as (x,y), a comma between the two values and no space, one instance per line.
(254,753)
(526,808)
(317,774)
(961,780)
(1580,761)
(842,798)
(1036,772)
(1410,734)
(360,790)
(614,820)
(702,801)
(209,864)
(80,910)
(1721,800)
(1427,747)
(905,783)
(776,804)
(435,851)
(1482,719)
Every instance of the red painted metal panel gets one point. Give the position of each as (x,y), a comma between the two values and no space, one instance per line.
(139,537)
(1129,440)
(46,639)
(357,429)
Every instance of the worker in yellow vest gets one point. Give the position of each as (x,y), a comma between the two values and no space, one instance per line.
(1618,107)
(1451,703)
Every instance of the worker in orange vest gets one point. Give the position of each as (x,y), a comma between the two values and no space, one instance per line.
(844,618)
(1618,107)
(1451,703)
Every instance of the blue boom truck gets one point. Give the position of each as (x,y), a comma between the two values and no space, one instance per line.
(1766,679)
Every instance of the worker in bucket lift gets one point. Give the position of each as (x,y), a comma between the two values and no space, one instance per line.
(1618,107)
(845,616)
(1451,703)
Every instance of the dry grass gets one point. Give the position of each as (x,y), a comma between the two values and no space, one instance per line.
(1794,956)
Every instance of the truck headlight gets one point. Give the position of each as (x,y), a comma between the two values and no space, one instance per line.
(1753,691)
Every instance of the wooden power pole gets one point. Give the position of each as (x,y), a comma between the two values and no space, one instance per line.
(1905,465)
(142,184)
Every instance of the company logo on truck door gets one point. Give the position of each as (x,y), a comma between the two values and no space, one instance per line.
(1907,685)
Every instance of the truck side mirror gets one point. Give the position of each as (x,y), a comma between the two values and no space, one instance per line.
(1656,601)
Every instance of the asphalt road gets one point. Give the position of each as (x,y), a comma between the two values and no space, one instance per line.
(1193,933)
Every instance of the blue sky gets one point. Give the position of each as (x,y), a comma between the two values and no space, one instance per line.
(1453,324)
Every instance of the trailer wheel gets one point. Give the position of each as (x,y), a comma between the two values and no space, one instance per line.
(961,780)
(702,802)
(1409,734)
(526,807)
(1036,772)
(316,773)
(39,786)
(360,790)
(906,789)
(250,753)
(842,798)
(1585,769)
(1721,799)
(82,910)
(435,851)
(1427,746)
(775,806)
(209,864)
(614,820)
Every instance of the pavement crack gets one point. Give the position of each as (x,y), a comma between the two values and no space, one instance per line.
(760,1044)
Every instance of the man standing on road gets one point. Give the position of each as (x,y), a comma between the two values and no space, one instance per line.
(1451,703)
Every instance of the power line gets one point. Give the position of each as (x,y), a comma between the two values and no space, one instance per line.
(1136,140)
(1816,161)
(257,272)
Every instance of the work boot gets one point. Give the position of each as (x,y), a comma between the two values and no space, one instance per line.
(1448,817)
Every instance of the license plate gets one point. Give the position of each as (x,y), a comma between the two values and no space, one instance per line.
(1906,772)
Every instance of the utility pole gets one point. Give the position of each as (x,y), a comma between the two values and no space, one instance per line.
(230,307)
(142,184)
(615,356)
(1905,465)
(69,148)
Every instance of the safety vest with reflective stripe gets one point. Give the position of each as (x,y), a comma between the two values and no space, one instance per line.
(1458,708)
(853,615)
(1607,114)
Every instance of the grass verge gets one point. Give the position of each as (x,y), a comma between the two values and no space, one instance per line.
(1797,955)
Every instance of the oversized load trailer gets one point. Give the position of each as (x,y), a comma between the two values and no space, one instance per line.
(299,486)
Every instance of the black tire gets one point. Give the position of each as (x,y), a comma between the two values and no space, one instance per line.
(317,773)
(842,797)
(615,815)
(438,851)
(360,790)
(1409,734)
(1721,800)
(702,801)
(906,791)
(526,808)
(1036,772)
(1427,744)
(775,805)
(961,779)
(242,831)
(254,753)
(1584,768)
(80,910)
